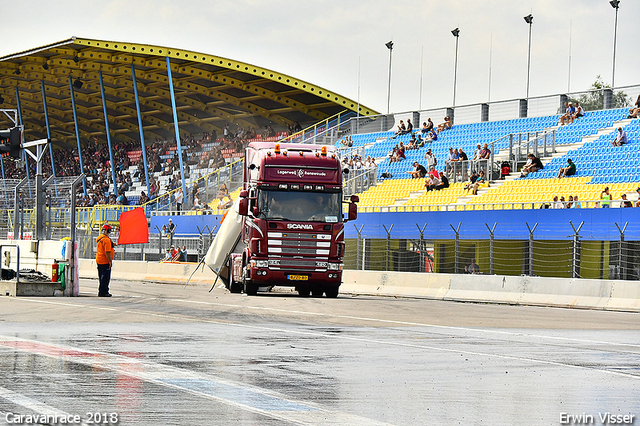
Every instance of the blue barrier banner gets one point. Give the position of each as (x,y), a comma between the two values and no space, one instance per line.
(599,224)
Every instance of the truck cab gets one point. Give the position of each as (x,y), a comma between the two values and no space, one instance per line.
(293,220)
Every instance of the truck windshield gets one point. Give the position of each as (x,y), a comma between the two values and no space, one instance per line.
(300,206)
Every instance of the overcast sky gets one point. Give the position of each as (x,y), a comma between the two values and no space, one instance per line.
(340,45)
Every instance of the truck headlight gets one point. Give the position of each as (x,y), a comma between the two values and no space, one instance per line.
(260,263)
(335,266)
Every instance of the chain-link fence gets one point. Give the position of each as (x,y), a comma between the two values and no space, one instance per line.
(564,258)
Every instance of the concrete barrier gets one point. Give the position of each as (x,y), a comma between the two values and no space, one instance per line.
(520,290)
(150,271)
(395,283)
(485,288)
(625,296)
(566,292)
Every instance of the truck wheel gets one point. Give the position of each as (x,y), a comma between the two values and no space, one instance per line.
(332,291)
(303,291)
(250,288)
(235,287)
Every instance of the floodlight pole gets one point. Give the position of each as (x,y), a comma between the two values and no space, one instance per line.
(390,47)
(456,34)
(616,5)
(529,20)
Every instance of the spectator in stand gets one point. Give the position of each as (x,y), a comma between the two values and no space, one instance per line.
(431,158)
(579,112)
(179,199)
(427,126)
(432,182)
(472,180)
(605,198)
(570,202)
(453,157)
(621,139)
(624,202)
(412,143)
(432,136)
(462,157)
(143,198)
(576,204)
(434,173)
(633,112)
(568,113)
(419,171)
(533,165)
(568,170)
(476,153)
(402,129)
(479,181)
(222,191)
(446,125)
(409,126)
(485,152)
(444,182)
(556,203)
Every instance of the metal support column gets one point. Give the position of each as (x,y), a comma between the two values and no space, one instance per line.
(358,247)
(456,269)
(75,122)
(531,231)
(144,150)
(622,269)
(388,257)
(575,255)
(491,247)
(177,129)
(46,119)
(106,124)
(423,248)
(26,158)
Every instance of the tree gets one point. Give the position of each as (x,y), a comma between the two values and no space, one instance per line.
(594,99)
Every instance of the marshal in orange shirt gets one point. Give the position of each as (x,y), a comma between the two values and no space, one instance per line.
(104,245)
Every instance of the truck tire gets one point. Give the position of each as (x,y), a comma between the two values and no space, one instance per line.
(250,288)
(332,291)
(235,287)
(304,291)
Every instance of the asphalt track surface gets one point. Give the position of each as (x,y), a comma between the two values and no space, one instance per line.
(158,354)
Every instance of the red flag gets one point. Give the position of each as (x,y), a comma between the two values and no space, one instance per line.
(133,227)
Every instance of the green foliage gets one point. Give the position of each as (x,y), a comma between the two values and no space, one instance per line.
(594,100)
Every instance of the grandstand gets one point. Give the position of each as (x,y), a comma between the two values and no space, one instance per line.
(588,141)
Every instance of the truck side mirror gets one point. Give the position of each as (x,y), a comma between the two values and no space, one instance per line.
(255,211)
(243,206)
(243,203)
(355,199)
(353,211)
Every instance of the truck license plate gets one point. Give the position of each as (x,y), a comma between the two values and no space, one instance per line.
(298,277)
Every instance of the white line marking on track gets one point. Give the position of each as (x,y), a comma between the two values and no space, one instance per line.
(34,407)
(246,397)
(381,342)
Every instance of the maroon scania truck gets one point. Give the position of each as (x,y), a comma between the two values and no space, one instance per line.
(292,220)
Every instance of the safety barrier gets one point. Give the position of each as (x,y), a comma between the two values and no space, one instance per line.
(514,290)
(172,273)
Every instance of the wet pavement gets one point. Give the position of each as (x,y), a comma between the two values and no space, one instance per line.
(168,355)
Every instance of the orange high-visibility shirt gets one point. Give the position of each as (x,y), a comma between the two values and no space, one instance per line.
(104,245)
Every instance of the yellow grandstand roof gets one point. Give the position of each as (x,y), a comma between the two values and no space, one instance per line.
(210,91)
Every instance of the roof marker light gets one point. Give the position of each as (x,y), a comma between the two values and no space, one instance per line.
(277,149)
(323,151)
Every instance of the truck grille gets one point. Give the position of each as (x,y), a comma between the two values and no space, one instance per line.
(298,251)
